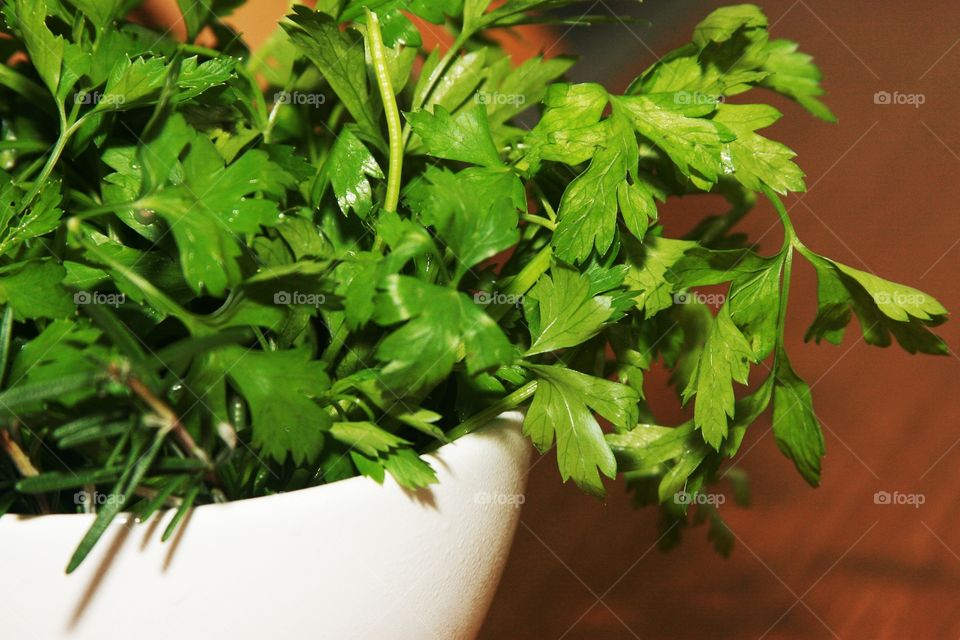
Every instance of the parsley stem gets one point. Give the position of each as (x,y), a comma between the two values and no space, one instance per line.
(66,132)
(789,233)
(790,241)
(524,281)
(162,409)
(394,126)
(543,222)
(483,418)
(784,293)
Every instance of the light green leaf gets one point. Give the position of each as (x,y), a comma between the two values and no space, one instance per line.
(882,307)
(457,83)
(520,88)
(793,74)
(725,359)
(723,23)
(349,165)
(896,301)
(46,50)
(569,130)
(464,137)
(795,425)
(561,410)
(695,145)
(195,14)
(754,306)
(587,217)
(366,437)
(100,12)
(756,160)
(649,263)
(568,314)
(441,327)
(409,470)
(133,83)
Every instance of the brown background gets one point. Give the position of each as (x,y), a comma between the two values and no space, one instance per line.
(824,563)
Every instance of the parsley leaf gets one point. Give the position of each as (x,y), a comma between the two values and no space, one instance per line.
(568,314)
(795,425)
(882,307)
(464,137)
(725,359)
(755,160)
(561,409)
(33,289)
(474,211)
(793,74)
(441,327)
(282,388)
(339,60)
(349,166)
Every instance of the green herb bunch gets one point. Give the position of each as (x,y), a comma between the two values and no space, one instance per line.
(229,273)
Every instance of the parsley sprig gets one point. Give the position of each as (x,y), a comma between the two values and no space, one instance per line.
(229,273)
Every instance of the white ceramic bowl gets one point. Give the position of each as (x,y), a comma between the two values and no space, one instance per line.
(351,559)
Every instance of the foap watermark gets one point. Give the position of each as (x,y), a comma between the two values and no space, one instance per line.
(99,298)
(699,498)
(497,98)
(897,498)
(94,98)
(896,98)
(314,100)
(514,500)
(299,298)
(900,298)
(714,300)
(485,298)
(97,499)
(695,97)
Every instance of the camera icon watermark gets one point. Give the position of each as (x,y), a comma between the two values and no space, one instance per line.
(314,100)
(896,98)
(897,498)
(114,300)
(299,298)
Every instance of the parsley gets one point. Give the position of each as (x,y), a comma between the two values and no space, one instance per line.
(228,274)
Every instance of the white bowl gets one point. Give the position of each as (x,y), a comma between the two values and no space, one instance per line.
(351,559)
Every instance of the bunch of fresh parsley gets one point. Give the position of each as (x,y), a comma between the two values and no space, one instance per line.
(227,273)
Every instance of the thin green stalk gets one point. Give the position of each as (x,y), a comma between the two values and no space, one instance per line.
(378,54)
(66,132)
(524,281)
(790,242)
(543,222)
(481,419)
